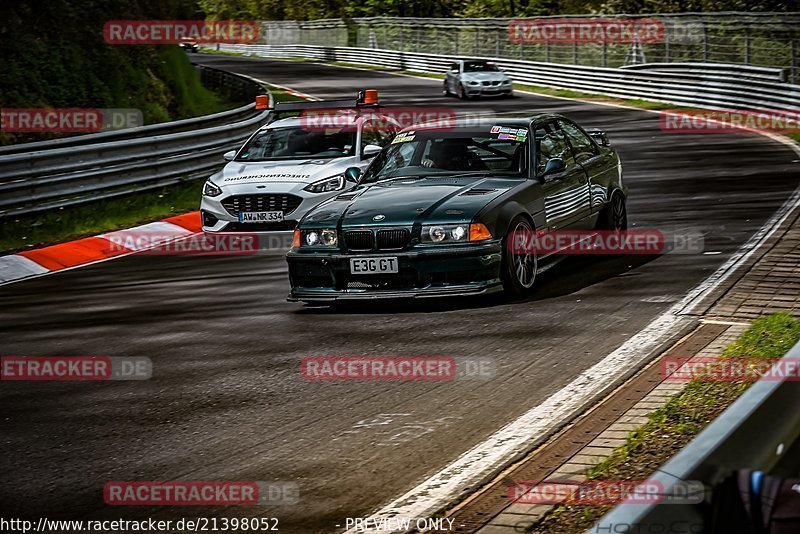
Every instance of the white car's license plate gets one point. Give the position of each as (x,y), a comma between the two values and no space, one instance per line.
(373,265)
(260,216)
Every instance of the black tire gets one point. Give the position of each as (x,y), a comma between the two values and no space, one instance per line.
(445,89)
(461,92)
(518,271)
(614,216)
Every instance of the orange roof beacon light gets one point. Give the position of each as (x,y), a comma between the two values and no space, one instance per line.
(262,101)
(368,97)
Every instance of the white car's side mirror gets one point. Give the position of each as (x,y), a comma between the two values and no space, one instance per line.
(228,156)
(370,151)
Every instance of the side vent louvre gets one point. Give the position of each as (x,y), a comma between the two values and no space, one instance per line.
(477,191)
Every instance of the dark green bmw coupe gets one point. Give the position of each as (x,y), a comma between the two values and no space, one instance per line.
(432,213)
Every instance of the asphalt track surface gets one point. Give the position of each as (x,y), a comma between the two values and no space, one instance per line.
(227,401)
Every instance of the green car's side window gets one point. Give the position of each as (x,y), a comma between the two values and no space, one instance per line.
(550,143)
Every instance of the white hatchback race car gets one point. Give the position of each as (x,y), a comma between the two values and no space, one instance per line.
(293,164)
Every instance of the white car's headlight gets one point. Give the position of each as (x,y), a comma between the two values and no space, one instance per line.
(445,233)
(472,82)
(323,237)
(211,190)
(334,183)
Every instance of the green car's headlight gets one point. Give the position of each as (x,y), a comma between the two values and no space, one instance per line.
(445,233)
(325,237)
(211,190)
(334,183)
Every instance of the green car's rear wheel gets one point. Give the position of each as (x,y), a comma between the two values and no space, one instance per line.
(518,268)
(614,216)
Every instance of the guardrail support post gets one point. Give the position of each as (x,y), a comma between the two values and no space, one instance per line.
(746,44)
(793,62)
(705,43)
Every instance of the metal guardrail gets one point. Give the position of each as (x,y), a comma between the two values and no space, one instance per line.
(712,85)
(36,177)
(760,430)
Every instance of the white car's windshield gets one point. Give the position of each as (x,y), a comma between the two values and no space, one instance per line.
(298,142)
(429,153)
(479,66)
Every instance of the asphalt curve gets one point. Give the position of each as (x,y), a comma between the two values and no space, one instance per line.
(227,401)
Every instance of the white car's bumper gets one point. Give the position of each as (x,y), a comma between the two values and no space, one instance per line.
(221,213)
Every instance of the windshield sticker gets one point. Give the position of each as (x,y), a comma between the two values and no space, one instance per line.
(505,132)
(402,137)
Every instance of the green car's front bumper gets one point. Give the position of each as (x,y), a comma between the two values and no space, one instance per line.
(431,271)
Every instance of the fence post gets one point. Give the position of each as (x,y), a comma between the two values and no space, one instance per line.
(666,44)
(793,62)
(705,43)
(497,44)
(574,52)
(746,44)
(605,53)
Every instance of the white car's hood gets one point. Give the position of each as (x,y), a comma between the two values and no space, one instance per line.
(484,76)
(293,171)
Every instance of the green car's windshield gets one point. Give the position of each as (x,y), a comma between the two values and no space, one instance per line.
(450,153)
(298,142)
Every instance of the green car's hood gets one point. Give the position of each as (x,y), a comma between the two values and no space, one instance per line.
(405,201)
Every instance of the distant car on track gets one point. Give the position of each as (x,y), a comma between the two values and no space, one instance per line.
(476,77)
(190,45)
(292,164)
(432,213)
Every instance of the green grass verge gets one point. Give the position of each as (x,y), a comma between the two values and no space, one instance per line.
(674,425)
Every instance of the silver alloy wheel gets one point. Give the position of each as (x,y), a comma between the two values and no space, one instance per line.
(619,214)
(525,264)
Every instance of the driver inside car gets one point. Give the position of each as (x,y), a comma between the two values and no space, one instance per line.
(453,155)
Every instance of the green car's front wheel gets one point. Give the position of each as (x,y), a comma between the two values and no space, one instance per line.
(519,266)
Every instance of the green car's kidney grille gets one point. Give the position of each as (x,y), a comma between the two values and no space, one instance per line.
(392,239)
(382,240)
(359,239)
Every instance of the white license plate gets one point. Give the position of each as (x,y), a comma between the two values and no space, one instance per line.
(373,265)
(260,216)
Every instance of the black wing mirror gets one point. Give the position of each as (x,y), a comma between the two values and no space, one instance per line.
(352,174)
(553,166)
